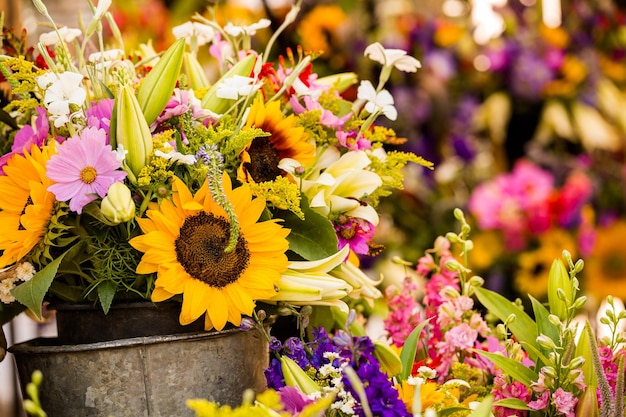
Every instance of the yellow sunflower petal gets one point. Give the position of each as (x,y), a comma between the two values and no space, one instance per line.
(218,308)
(159,294)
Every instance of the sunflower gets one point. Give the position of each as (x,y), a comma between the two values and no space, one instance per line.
(184,242)
(534,265)
(605,268)
(259,159)
(26,205)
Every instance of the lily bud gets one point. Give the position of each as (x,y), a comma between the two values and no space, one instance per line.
(132,130)
(196,78)
(341,82)
(156,89)
(211,101)
(559,282)
(296,377)
(118,205)
(389,360)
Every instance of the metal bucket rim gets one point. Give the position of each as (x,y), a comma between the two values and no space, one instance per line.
(31,347)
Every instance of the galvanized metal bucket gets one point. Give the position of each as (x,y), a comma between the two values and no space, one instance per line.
(144,376)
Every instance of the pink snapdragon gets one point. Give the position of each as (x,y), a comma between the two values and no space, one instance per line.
(404,311)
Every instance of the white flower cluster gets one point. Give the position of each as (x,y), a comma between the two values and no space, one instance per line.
(10,276)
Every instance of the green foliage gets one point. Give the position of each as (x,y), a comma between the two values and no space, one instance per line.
(312,239)
(523,327)
(409,350)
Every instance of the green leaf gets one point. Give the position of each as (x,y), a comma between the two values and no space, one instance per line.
(543,325)
(484,409)
(583,348)
(409,350)
(511,367)
(32,292)
(512,403)
(451,410)
(106,293)
(523,327)
(312,239)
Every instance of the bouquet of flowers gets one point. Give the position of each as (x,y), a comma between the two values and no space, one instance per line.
(141,176)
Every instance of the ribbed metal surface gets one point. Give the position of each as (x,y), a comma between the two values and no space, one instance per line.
(144,376)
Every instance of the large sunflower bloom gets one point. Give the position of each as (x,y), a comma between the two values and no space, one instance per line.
(260,158)
(184,241)
(26,205)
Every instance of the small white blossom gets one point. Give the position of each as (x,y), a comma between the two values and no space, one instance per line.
(177,157)
(415,380)
(426,372)
(392,57)
(236,86)
(67,34)
(377,101)
(62,90)
(120,153)
(202,33)
(6,285)
(24,271)
(249,30)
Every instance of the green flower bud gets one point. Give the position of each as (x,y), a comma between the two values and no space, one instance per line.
(196,78)
(559,290)
(296,377)
(389,360)
(118,205)
(132,130)
(156,89)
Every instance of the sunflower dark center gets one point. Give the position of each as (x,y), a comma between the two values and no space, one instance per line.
(264,159)
(200,250)
(614,267)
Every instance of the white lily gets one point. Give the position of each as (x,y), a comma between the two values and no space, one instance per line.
(65,33)
(195,33)
(363,286)
(310,283)
(392,57)
(250,30)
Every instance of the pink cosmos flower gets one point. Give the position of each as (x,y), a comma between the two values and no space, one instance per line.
(565,402)
(84,168)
